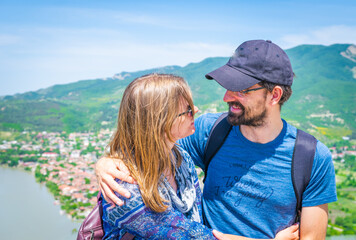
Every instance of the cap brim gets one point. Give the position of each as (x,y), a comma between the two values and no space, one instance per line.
(232,79)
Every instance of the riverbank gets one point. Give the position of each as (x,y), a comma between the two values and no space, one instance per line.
(63,162)
(73,186)
(72,192)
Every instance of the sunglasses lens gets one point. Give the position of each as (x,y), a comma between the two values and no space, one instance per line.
(190,112)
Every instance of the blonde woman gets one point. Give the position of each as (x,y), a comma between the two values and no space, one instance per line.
(156,110)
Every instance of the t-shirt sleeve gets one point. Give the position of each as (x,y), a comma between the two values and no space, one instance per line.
(134,217)
(195,143)
(322,187)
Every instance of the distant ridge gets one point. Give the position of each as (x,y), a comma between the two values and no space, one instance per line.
(323,100)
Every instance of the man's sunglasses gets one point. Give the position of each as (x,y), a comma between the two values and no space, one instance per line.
(244,92)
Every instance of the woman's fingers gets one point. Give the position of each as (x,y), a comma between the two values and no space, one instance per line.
(291,233)
(220,235)
(294,227)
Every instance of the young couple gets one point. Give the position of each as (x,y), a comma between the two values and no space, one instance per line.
(248,190)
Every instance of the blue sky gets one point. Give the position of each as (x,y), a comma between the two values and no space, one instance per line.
(43,43)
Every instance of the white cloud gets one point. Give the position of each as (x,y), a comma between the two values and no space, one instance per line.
(325,36)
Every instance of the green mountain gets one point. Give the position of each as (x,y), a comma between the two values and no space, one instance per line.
(324,89)
(323,100)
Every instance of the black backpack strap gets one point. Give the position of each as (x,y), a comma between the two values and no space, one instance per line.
(217,136)
(302,164)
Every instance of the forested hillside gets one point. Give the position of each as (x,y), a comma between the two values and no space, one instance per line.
(323,100)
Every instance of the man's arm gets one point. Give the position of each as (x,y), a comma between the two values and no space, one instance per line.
(320,191)
(313,222)
(106,170)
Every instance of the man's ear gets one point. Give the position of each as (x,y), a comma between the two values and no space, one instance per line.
(276,95)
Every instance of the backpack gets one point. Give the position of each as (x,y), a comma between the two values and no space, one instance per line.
(302,160)
(92,226)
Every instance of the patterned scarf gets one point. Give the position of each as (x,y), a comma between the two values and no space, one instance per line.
(185,183)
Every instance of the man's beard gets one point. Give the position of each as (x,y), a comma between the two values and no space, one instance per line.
(247,117)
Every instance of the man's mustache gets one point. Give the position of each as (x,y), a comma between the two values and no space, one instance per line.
(236,103)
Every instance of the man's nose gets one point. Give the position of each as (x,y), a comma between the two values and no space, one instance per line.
(230,96)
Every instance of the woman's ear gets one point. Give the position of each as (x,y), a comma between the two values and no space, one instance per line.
(276,95)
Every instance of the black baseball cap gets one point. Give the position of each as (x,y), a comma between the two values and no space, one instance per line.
(254,61)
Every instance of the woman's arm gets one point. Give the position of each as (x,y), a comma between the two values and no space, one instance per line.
(137,219)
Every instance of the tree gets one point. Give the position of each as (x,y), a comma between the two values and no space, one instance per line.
(39,176)
(87,180)
(13,162)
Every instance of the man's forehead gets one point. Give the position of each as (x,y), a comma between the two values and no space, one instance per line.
(256,85)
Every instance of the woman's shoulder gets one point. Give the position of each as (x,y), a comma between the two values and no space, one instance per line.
(132,205)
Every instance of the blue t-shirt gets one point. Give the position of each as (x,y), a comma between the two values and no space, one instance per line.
(249,190)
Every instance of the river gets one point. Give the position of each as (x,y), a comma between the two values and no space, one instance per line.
(27,210)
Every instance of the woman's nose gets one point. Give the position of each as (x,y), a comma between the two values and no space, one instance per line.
(196,109)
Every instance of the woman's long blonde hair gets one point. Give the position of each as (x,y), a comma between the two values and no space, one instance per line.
(149,106)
